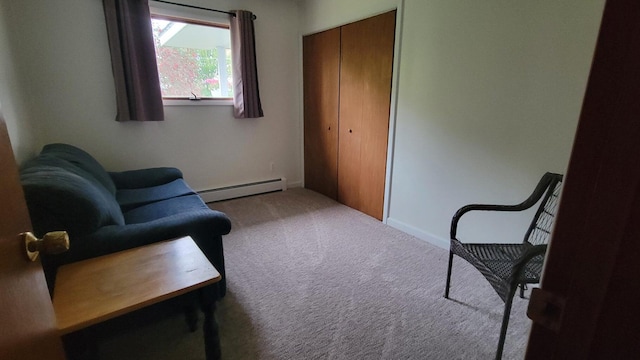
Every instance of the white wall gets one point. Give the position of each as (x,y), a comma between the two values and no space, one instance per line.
(63,60)
(488,100)
(12,103)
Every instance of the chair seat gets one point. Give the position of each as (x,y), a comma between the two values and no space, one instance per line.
(496,263)
(502,257)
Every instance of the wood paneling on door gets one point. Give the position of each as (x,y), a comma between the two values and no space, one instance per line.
(365,96)
(27,321)
(321,54)
(592,261)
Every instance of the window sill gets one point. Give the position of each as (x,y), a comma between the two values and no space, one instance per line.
(202,102)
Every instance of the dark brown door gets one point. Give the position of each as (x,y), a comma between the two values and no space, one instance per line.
(27,320)
(594,256)
(366,69)
(321,58)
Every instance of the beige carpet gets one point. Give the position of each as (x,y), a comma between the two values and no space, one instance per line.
(309,278)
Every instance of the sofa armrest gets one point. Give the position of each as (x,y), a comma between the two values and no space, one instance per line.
(206,227)
(135,179)
(201,225)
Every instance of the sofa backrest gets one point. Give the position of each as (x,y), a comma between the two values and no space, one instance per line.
(63,196)
(82,160)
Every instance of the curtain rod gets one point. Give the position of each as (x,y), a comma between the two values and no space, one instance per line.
(199,8)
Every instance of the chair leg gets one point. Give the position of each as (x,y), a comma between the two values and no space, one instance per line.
(505,323)
(446,290)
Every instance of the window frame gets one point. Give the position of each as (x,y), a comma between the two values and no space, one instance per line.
(190,16)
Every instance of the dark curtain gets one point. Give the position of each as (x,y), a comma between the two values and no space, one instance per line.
(246,99)
(133,60)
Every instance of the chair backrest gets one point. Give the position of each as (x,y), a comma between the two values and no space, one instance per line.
(542,224)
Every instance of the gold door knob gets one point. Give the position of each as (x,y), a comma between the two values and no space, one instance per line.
(52,243)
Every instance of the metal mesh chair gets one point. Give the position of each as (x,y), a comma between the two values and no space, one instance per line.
(507,266)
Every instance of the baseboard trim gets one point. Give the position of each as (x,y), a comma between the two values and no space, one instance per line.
(420,234)
(241,190)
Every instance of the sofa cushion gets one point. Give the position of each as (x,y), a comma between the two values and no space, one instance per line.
(61,196)
(83,160)
(132,198)
(164,208)
(140,178)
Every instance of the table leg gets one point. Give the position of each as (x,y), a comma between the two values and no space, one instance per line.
(191,315)
(80,345)
(210,330)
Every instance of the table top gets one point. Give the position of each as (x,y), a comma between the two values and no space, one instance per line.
(94,290)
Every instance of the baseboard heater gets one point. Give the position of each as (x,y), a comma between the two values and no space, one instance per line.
(241,190)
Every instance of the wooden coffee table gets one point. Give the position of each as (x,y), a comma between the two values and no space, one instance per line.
(94,290)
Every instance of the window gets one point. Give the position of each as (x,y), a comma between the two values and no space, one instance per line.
(194,58)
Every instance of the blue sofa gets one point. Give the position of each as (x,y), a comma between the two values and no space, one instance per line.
(104,212)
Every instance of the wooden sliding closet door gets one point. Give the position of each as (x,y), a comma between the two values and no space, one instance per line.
(365,96)
(321,71)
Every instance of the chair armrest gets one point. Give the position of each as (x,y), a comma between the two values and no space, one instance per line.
(485,207)
(529,202)
(135,179)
